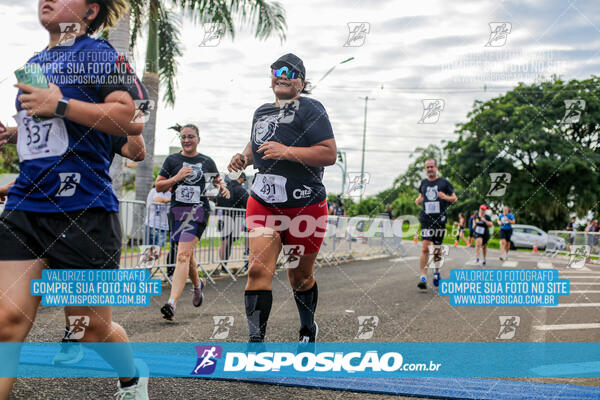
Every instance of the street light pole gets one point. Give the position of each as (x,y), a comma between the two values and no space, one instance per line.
(362,164)
(342,163)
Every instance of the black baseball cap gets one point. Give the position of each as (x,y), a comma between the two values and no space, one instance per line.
(291,61)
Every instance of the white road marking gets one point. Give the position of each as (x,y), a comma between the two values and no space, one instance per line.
(584,291)
(581,270)
(411,258)
(573,305)
(510,264)
(561,327)
(580,276)
(545,265)
(585,284)
(576,273)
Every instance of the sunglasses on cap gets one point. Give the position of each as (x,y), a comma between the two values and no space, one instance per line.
(290,74)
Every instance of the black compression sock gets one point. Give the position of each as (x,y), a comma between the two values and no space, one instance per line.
(258,308)
(132,382)
(307,304)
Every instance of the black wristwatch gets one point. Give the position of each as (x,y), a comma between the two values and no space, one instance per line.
(61,107)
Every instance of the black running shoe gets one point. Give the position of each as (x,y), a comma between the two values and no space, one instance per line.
(168,312)
(422,283)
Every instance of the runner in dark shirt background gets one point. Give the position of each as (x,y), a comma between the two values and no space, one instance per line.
(482,223)
(186,174)
(434,195)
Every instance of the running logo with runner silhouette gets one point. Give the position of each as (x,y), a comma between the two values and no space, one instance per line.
(499,183)
(68,33)
(207,359)
(223,323)
(357,183)
(357,34)
(498,34)
(68,183)
(432,109)
(292,254)
(142,112)
(77,325)
(508,327)
(366,326)
(573,110)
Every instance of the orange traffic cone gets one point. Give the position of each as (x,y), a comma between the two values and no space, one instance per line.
(535,249)
(415,239)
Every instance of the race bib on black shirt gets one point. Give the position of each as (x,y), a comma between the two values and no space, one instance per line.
(301,123)
(190,190)
(434,208)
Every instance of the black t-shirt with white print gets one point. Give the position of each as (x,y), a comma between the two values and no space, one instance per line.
(189,191)
(434,209)
(283,183)
(481,228)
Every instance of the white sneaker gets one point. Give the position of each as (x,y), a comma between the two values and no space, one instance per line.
(70,353)
(139,391)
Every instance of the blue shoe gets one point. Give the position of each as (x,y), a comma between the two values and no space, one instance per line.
(483,262)
(477,260)
(422,283)
(436,278)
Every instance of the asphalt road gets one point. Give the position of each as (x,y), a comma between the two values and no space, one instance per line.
(385,288)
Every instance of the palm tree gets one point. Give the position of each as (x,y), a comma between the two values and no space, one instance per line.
(164,46)
(119,38)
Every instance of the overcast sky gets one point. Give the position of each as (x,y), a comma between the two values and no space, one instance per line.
(413,51)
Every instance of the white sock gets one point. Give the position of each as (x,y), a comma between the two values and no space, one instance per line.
(423,277)
(198,287)
(172,302)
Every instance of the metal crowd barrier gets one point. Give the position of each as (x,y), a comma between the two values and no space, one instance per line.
(579,245)
(224,243)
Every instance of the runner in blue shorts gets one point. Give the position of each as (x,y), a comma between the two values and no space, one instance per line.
(506,220)
(62,212)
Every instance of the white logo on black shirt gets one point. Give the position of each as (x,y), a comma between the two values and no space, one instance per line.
(196,175)
(431,193)
(302,193)
(68,183)
(264,128)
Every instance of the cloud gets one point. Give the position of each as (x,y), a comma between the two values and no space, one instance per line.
(419,50)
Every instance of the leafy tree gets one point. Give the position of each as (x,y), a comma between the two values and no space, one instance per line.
(9,160)
(553,165)
(163,47)
(416,170)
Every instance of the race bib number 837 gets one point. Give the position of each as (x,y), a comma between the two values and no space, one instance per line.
(46,138)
